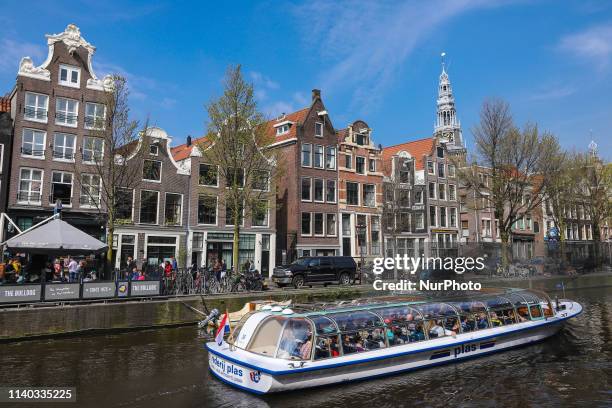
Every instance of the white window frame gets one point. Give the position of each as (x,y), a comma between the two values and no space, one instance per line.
(435,192)
(335,191)
(241,217)
(314,156)
(36,108)
(301,224)
(450,212)
(70,69)
(363,188)
(441,190)
(453,188)
(351,161)
(140,207)
(133,201)
(267,219)
(365,165)
(433,221)
(451,174)
(371,160)
(216,211)
(414,195)
(161,168)
(64,146)
(44,144)
(309,192)
(166,202)
(82,185)
(210,165)
(1,157)
(71,186)
(29,191)
(94,161)
(419,225)
(66,112)
(433,167)
(335,157)
(302,155)
(358,194)
(90,124)
(445,217)
(319,125)
(313,214)
(313,188)
(335,234)
(438,165)
(282,129)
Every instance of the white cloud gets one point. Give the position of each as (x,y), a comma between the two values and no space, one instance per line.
(13,51)
(553,92)
(368,42)
(593,45)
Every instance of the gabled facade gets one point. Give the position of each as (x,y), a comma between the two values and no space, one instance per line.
(210,233)
(360,192)
(54,107)
(405,222)
(153,219)
(307,196)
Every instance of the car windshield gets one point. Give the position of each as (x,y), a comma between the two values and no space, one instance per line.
(301,262)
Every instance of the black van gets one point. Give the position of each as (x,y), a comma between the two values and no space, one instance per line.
(316,269)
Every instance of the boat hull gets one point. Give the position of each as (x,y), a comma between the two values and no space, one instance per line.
(261,375)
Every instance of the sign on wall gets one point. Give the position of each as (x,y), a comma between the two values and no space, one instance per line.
(20,293)
(93,290)
(123,289)
(145,288)
(59,291)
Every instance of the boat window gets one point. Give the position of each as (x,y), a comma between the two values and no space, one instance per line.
(296,341)
(498,302)
(501,317)
(363,340)
(326,347)
(536,312)
(236,332)
(435,309)
(266,337)
(523,313)
(435,329)
(350,321)
(323,325)
(398,314)
(404,331)
(548,311)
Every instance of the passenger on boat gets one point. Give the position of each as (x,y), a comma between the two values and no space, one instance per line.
(306,348)
(510,317)
(523,313)
(467,323)
(495,321)
(483,322)
(436,329)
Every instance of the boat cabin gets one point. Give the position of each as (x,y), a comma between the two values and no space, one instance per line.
(334,331)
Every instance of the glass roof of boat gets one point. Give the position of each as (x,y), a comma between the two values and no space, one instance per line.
(391,306)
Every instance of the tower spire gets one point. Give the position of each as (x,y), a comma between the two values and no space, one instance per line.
(447,127)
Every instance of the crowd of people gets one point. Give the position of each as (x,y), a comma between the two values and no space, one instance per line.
(18,269)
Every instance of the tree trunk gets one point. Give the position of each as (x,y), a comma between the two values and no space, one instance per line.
(110,242)
(235,249)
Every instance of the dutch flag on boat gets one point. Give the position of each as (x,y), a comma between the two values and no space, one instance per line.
(224,327)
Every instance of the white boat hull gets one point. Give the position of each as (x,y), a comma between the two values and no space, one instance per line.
(260,374)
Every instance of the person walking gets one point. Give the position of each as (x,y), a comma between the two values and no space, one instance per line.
(174,263)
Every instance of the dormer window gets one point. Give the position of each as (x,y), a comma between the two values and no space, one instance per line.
(282,130)
(361,139)
(69,76)
(318,129)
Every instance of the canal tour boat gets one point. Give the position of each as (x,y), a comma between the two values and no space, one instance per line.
(289,348)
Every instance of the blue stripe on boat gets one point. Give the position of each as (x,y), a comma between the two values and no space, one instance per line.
(440,354)
(487,345)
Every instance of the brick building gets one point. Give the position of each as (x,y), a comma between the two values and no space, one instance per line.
(6,138)
(360,192)
(210,233)
(153,215)
(307,196)
(54,107)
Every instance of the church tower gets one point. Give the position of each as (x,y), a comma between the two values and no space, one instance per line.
(448,128)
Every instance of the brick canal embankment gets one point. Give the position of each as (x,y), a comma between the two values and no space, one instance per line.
(44,320)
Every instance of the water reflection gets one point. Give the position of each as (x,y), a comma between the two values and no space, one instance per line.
(161,368)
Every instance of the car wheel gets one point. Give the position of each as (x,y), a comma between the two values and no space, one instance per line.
(345,279)
(298,281)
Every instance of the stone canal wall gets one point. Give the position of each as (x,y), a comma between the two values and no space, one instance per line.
(34,321)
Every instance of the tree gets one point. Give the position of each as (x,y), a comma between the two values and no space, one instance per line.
(595,189)
(514,161)
(103,181)
(236,145)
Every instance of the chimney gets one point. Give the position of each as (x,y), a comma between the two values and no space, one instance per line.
(316,93)
(188,140)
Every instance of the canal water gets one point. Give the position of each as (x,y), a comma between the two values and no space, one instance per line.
(168,368)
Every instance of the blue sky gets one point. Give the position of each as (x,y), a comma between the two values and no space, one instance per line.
(376,61)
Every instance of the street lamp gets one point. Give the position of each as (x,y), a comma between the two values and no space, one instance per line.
(360,228)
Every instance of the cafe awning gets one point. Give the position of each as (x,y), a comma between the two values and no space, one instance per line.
(55,237)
